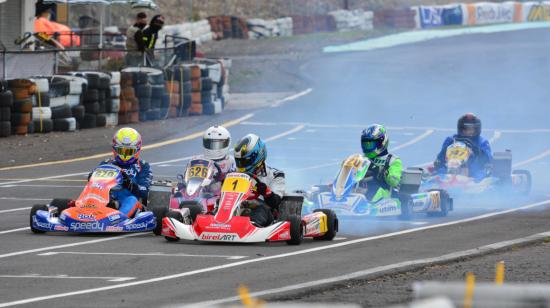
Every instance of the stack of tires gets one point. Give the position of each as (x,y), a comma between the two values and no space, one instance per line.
(22,90)
(158,94)
(91,99)
(113,101)
(171,109)
(64,97)
(143,92)
(6,103)
(128,100)
(41,111)
(180,80)
(196,88)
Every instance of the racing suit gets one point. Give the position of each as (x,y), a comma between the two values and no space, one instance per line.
(141,176)
(478,165)
(385,170)
(271,189)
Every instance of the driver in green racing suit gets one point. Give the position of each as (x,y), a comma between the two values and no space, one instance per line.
(384,173)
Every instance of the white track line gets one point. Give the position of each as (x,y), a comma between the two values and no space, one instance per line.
(47,248)
(14,230)
(292,97)
(15,210)
(284,134)
(151,254)
(111,279)
(263,259)
(41,185)
(532,159)
(399,147)
(379,269)
(24,199)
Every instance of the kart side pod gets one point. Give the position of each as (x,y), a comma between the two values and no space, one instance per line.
(410,181)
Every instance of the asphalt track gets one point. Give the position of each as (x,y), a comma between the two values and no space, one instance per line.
(417,90)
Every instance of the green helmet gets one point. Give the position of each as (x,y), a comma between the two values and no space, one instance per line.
(374,141)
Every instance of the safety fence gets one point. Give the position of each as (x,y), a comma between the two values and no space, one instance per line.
(87,99)
(481,13)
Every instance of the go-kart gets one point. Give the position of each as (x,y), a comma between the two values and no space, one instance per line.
(346,196)
(95,210)
(231,222)
(457,181)
(192,187)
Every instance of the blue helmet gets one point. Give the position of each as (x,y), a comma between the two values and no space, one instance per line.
(374,140)
(250,154)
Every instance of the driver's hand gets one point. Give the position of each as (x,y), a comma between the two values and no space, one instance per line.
(261,188)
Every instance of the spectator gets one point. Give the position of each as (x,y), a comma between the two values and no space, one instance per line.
(133,38)
(150,36)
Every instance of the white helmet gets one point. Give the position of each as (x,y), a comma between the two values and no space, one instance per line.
(216,141)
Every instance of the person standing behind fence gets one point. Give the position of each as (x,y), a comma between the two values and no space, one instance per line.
(133,36)
(150,36)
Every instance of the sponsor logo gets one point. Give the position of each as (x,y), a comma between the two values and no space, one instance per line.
(284,235)
(86,225)
(88,206)
(221,226)
(113,229)
(387,207)
(98,186)
(44,225)
(61,228)
(63,216)
(142,225)
(114,217)
(227,237)
(86,216)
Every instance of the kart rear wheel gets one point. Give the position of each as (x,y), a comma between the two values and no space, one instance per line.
(296,230)
(160,212)
(60,204)
(177,216)
(406,207)
(36,208)
(194,207)
(332,225)
(445,203)
(527,186)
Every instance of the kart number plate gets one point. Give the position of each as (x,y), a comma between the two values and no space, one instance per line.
(105,174)
(234,184)
(198,171)
(457,153)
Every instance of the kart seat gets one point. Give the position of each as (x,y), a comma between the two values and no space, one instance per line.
(410,181)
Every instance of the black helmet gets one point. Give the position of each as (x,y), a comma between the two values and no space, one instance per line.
(469,126)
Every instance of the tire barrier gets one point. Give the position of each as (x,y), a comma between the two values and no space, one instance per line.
(353,20)
(312,24)
(199,32)
(82,100)
(260,28)
(225,27)
(395,18)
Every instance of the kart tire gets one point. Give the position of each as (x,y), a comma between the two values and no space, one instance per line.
(45,127)
(144,90)
(5,129)
(194,207)
(406,207)
(89,121)
(296,230)
(60,204)
(445,204)
(177,216)
(61,112)
(6,99)
(101,120)
(5,114)
(23,105)
(160,211)
(35,208)
(332,225)
(527,189)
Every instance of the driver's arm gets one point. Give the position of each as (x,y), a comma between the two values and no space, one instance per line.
(143,181)
(277,190)
(393,176)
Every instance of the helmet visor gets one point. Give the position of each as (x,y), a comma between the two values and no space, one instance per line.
(469,130)
(215,144)
(125,153)
(369,145)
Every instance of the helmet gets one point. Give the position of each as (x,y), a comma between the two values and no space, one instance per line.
(126,146)
(469,126)
(374,140)
(250,154)
(216,142)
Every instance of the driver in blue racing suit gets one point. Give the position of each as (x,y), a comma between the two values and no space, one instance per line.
(469,132)
(126,150)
